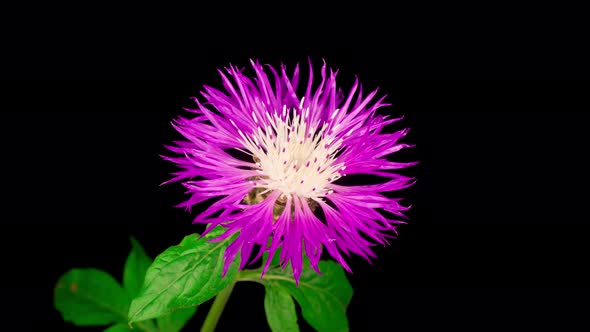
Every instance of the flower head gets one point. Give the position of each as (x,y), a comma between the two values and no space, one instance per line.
(297,144)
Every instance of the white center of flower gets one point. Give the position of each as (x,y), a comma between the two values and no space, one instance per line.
(293,157)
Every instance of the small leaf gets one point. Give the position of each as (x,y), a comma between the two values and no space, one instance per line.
(175,321)
(135,267)
(280,308)
(323,299)
(183,276)
(90,297)
(119,328)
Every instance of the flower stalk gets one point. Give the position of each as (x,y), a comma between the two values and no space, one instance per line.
(217,309)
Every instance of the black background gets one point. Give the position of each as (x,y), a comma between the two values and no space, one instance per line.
(497,236)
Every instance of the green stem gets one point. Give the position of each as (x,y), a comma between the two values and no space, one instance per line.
(249,275)
(217,308)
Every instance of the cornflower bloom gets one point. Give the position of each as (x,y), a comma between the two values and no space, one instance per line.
(287,194)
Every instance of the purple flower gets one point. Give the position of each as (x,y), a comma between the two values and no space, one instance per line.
(298,144)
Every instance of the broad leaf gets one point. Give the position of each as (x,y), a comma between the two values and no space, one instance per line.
(323,299)
(279,308)
(90,297)
(183,276)
(135,267)
(175,321)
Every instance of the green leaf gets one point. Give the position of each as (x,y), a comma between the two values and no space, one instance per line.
(183,276)
(323,299)
(119,328)
(90,297)
(279,308)
(175,321)
(135,267)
